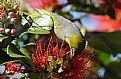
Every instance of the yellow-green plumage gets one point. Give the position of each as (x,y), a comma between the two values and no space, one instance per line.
(74,41)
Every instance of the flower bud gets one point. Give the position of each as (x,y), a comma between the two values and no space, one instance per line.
(7,31)
(11,14)
(13,20)
(13,31)
(1,30)
(3,15)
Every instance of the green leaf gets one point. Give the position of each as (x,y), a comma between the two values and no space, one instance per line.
(1,38)
(5,58)
(35,31)
(107,42)
(38,31)
(28,49)
(43,21)
(103,57)
(13,51)
(115,67)
(41,75)
(33,75)
(28,62)
(5,40)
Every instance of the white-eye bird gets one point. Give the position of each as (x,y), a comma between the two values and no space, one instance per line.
(68,31)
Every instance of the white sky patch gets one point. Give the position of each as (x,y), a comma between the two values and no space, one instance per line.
(2,69)
(61,2)
(101,72)
(89,23)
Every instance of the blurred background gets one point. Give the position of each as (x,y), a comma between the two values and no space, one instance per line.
(100,23)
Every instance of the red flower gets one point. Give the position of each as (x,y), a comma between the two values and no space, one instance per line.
(48,53)
(1,76)
(42,4)
(11,68)
(104,23)
(80,67)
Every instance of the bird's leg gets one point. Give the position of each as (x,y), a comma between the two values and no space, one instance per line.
(72,52)
(60,69)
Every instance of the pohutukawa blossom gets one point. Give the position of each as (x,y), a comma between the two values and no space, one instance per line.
(12,69)
(42,4)
(104,23)
(49,55)
(1,76)
(80,67)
